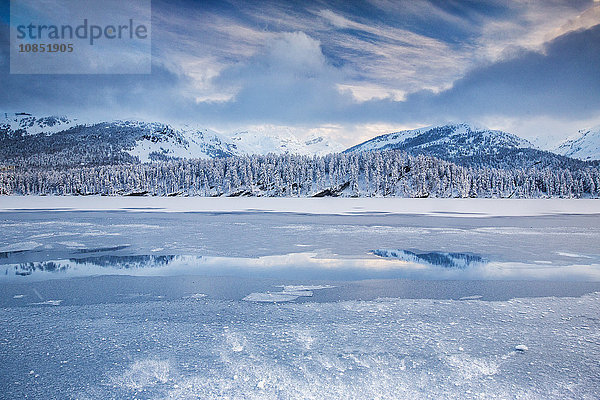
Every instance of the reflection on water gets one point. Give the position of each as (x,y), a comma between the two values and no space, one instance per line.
(442,259)
(113,262)
(391,264)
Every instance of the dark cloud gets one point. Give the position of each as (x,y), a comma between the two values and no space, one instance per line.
(88,94)
(563,80)
(94,94)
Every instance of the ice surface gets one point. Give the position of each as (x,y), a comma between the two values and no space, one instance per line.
(465,208)
(503,239)
(164,318)
(386,349)
(19,247)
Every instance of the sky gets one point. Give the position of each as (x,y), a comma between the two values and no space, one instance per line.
(348,70)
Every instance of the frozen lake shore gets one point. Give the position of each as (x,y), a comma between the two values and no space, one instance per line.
(345,206)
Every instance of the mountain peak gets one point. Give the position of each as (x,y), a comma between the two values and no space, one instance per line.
(584,146)
(453,140)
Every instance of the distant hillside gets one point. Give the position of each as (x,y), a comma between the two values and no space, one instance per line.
(468,145)
(29,140)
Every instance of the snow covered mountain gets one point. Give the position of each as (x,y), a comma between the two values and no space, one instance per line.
(166,141)
(471,146)
(452,141)
(28,124)
(25,138)
(585,146)
(281,141)
(23,135)
(162,141)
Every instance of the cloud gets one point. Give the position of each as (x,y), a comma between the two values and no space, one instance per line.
(560,81)
(290,80)
(318,65)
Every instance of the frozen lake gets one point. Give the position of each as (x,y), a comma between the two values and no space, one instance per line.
(299,299)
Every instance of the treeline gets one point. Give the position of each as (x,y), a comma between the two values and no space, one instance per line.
(366,174)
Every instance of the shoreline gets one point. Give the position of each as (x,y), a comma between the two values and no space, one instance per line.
(455,207)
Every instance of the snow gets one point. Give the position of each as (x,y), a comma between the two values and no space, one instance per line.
(180,143)
(33,125)
(584,146)
(270,297)
(474,297)
(189,142)
(144,374)
(304,288)
(564,254)
(182,140)
(196,296)
(457,130)
(264,140)
(463,208)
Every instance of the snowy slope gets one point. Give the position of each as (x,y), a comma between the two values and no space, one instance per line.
(585,146)
(27,124)
(447,141)
(164,141)
(187,142)
(157,140)
(281,141)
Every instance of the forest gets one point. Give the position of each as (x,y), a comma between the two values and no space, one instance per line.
(391,173)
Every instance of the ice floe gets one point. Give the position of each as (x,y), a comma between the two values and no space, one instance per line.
(196,296)
(474,297)
(48,303)
(288,293)
(521,348)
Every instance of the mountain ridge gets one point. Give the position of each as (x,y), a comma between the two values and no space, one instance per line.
(469,145)
(153,141)
(23,135)
(458,134)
